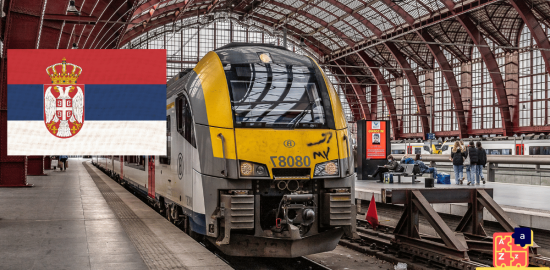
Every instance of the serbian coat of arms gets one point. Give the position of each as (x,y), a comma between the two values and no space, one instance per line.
(64,100)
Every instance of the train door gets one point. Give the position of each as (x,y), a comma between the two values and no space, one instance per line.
(185,143)
(151,177)
(409,149)
(520,148)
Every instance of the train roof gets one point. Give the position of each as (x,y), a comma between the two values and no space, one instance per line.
(248,53)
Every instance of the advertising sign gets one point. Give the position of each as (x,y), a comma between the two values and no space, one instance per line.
(376,140)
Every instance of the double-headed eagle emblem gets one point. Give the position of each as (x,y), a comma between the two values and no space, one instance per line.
(64,100)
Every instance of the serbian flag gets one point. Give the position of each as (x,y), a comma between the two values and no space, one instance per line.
(86,102)
(372,214)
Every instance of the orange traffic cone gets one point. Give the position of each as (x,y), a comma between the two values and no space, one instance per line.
(372,215)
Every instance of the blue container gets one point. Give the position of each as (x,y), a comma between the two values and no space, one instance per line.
(443,178)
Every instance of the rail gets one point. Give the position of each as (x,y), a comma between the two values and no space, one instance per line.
(493,162)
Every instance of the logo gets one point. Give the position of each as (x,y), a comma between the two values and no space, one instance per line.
(64,100)
(180,166)
(507,253)
(289,143)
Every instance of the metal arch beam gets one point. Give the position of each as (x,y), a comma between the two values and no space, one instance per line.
(443,63)
(494,71)
(358,91)
(371,64)
(491,64)
(536,29)
(138,30)
(451,81)
(352,99)
(414,85)
(411,77)
(147,16)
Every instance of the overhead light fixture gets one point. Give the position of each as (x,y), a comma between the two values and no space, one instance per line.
(72,8)
(75,46)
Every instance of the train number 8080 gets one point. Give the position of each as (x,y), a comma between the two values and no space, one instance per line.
(290,161)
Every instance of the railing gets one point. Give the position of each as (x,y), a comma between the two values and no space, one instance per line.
(493,162)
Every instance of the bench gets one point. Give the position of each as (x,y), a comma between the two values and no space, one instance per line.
(408,170)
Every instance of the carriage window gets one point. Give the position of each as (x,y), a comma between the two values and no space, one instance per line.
(275,95)
(166,159)
(418,150)
(185,120)
(534,150)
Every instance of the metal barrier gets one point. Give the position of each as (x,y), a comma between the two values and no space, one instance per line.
(493,162)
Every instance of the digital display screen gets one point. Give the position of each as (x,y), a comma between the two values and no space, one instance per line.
(376,140)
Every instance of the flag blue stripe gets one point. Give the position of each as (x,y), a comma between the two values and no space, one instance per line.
(101,102)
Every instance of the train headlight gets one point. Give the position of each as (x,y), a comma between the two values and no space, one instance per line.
(251,169)
(329,168)
(246,169)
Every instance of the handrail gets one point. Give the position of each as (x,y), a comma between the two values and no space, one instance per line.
(502,159)
(224,172)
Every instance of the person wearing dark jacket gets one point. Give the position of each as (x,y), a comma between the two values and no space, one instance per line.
(457,156)
(471,169)
(392,165)
(481,161)
(423,168)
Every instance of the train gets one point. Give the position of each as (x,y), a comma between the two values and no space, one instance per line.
(258,156)
(526,145)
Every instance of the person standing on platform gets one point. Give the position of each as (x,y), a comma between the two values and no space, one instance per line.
(392,165)
(457,156)
(355,157)
(63,159)
(425,169)
(471,169)
(481,161)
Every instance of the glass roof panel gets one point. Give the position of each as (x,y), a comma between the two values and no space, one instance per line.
(414,8)
(374,18)
(388,13)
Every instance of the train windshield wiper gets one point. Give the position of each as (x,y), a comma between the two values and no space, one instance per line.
(308,108)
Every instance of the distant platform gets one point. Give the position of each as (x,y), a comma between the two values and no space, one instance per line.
(528,205)
(81,219)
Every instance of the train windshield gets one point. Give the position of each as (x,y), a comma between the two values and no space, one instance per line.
(273,95)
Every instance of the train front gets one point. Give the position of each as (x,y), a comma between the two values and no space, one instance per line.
(289,177)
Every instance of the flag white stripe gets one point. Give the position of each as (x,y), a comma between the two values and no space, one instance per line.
(95,138)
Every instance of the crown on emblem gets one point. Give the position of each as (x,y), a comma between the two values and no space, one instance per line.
(63,76)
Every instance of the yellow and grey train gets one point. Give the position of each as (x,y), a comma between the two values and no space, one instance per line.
(258,155)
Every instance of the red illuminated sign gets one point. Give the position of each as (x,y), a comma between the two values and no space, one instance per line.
(376,139)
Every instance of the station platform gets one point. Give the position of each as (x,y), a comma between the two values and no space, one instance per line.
(527,205)
(81,219)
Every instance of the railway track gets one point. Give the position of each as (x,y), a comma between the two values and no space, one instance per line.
(242,263)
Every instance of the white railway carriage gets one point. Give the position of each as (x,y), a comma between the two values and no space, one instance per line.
(530,145)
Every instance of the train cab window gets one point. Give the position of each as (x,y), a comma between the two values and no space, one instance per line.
(275,95)
(184,119)
(166,159)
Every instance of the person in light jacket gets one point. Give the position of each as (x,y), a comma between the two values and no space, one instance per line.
(457,156)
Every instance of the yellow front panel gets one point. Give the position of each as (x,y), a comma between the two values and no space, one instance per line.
(266,146)
(229,137)
(343,144)
(216,92)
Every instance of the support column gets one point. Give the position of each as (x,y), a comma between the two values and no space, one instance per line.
(21,32)
(511,80)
